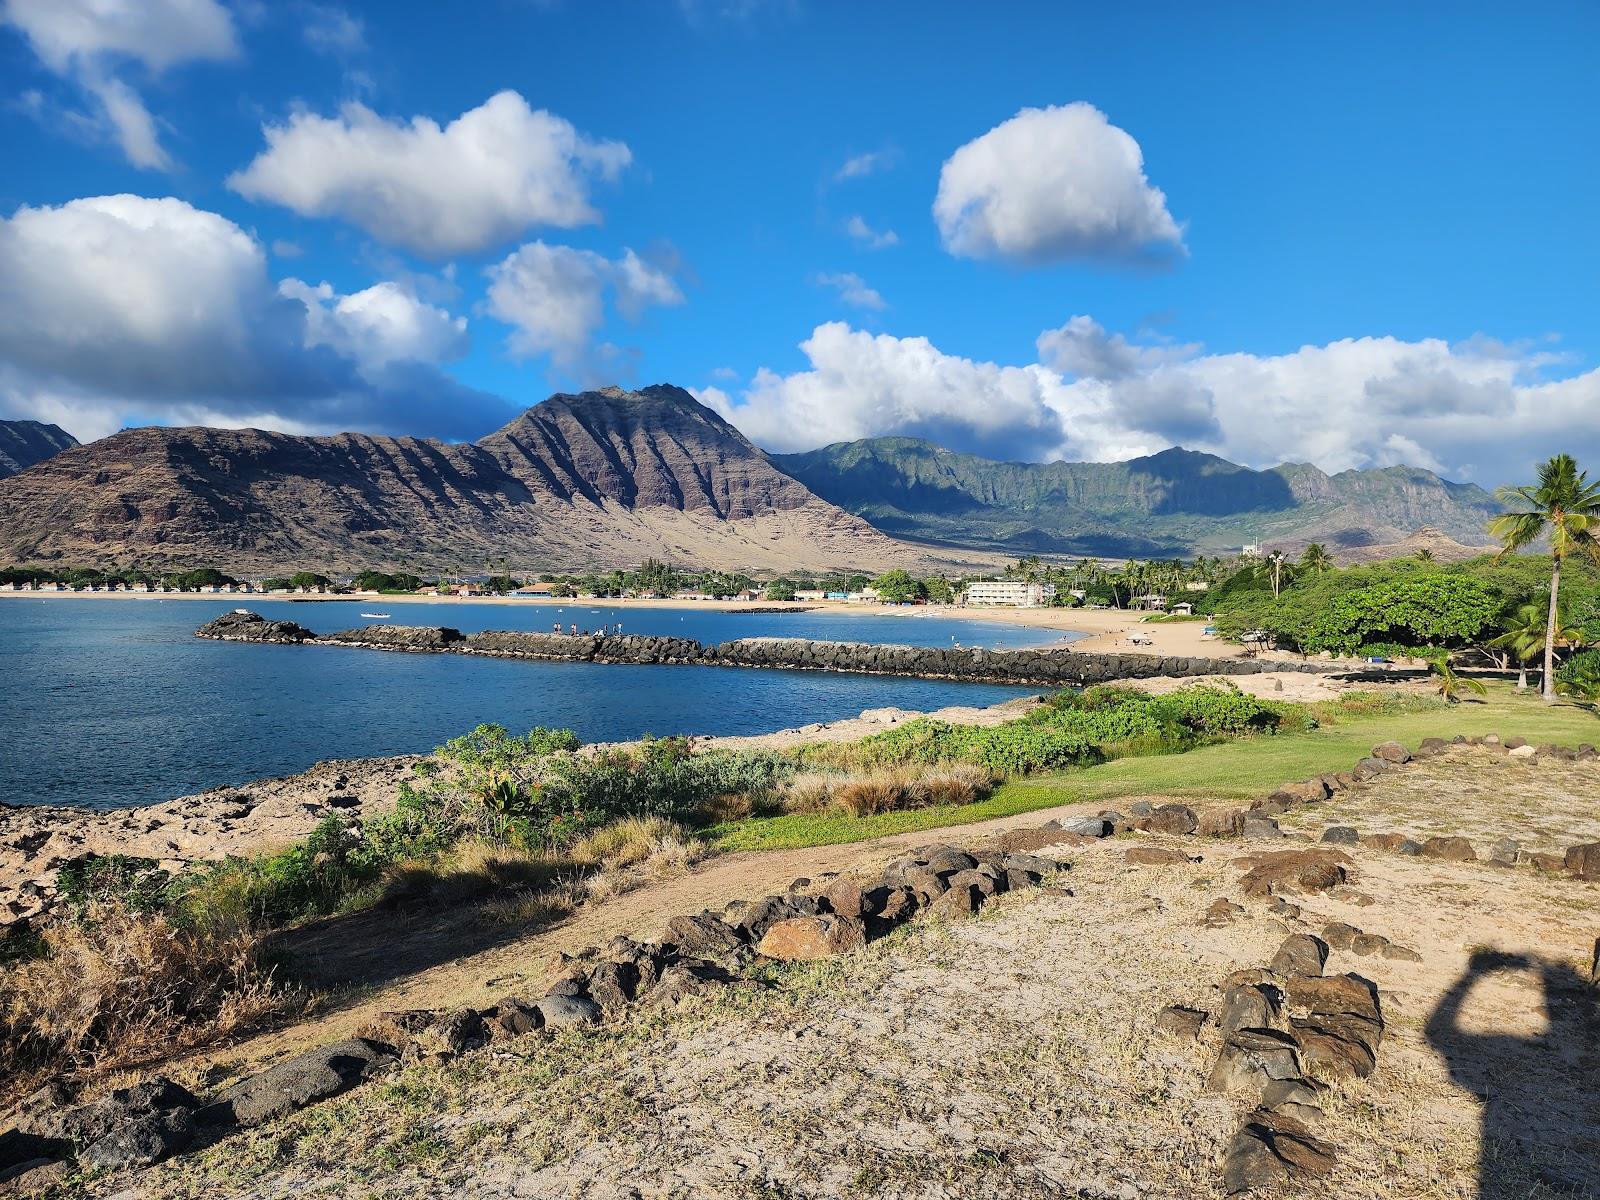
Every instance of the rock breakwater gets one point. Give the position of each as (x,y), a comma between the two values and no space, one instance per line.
(1054,667)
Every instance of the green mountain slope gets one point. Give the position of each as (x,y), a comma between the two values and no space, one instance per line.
(1178,502)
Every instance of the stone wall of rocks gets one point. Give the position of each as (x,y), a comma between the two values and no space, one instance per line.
(1045,668)
(156,1119)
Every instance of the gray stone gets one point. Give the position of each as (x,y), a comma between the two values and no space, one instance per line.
(1250,1058)
(1088,827)
(1247,1006)
(1391,752)
(558,1011)
(1255,826)
(1341,835)
(299,1081)
(1300,954)
(703,936)
(1505,852)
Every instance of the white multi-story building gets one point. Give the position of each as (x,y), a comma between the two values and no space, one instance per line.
(1011,592)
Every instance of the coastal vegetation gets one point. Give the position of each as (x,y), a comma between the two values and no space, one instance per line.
(1565,507)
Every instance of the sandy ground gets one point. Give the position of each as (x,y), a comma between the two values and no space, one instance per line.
(1013,1055)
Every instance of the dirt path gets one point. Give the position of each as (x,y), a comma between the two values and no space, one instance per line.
(390,945)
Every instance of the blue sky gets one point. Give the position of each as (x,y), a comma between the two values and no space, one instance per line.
(1357,235)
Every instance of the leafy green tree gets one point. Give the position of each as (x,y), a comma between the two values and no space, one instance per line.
(938,590)
(897,587)
(308,580)
(780,589)
(1566,506)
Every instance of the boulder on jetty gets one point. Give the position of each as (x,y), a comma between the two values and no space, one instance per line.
(252,627)
(589,647)
(419,639)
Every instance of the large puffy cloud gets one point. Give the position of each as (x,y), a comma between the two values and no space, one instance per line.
(553,297)
(121,308)
(1474,410)
(1050,185)
(479,181)
(861,385)
(90,41)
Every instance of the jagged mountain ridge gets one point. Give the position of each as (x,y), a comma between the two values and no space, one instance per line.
(577,482)
(1177,502)
(23,443)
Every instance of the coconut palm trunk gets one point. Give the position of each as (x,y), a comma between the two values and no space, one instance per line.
(1547,685)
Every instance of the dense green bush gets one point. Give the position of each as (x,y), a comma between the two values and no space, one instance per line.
(1071,729)
(1404,604)
(1579,675)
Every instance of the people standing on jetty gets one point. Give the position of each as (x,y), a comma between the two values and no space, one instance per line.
(574,629)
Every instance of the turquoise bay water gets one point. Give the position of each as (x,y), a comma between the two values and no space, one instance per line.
(113,702)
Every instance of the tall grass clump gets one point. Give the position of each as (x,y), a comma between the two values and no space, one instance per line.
(887,789)
(115,987)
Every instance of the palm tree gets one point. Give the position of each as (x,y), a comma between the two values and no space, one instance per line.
(1523,636)
(1424,555)
(1449,684)
(1567,506)
(1315,558)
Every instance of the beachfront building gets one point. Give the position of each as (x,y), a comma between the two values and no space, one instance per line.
(811,594)
(1012,593)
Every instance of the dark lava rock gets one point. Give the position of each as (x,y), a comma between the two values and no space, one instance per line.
(299,1081)
(1300,954)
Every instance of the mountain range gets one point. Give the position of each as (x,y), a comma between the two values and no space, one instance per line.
(23,443)
(598,479)
(609,478)
(1175,503)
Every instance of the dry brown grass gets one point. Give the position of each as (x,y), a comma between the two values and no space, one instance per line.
(890,789)
(118,988)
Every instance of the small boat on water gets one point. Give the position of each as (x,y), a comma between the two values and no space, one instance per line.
(377,616)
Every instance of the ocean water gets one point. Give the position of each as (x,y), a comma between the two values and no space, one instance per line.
(112,703)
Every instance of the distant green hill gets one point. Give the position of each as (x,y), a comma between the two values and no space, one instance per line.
(1178,502)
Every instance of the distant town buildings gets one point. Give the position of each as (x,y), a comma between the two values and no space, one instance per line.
(1013,593)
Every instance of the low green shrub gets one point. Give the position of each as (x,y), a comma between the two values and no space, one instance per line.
(1070,729)
(1579,676)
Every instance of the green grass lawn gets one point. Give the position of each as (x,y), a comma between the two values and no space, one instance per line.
(1241,770)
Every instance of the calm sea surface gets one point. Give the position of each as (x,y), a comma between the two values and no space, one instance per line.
(111,703)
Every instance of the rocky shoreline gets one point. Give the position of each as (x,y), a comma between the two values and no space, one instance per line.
(36,841)
(1053,667)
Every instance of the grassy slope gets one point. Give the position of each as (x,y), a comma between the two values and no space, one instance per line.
(1233,770)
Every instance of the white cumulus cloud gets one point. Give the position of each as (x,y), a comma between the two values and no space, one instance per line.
(483,179)
(873,239)
(864,385)
(853,290)
(1475,410)
(118,309)
(90,42)
(553,297)
(1051,185)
